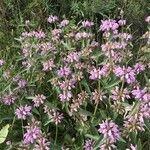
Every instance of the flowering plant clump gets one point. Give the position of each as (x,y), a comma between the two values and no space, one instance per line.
(70,92)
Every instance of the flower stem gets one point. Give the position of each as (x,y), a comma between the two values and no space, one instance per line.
(56,134)
(96,102)
(95,111)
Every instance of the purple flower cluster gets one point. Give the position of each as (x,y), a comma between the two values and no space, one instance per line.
(89,144)
(98,96)
(67,84)
(134,123)
(139,67)
(122,22)
(31,135)
(8,99)
(87,24)
(52,19)
(46,47)
(22,83)
(72,57)
(64,72)
(118,94)
(38,100)
(42,144)
(65,96)
(108,25)
(35,34)
(79,101)
(1,62)
(83,35)
(57,117)
(140,94)
(100,72)
(23,111)
(48,65)
(64,23)
(125,74)
(109,130)
(132,147)
(148,19)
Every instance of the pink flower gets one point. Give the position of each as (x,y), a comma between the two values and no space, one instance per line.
(110,130)
(52,19)
(120,95)
(36,34)
(133,123)
(46,47)
(8,99)
(48,65)
(56,32)
(122,22)
(138,93)
(38,100)
(67,84)
(26,64)
(22,83)
(73,56)
(87,24)
(108,25)
(89,144)
(31,135)
(42,144)
(98,96)
(25,52)
(125,74)
(64,23)
(39,35)
(23,111)
(1,62)
(148,19)
(65,71)
(65,96)
(125,36)
(139,67)
(95,74)
(105,70)
(83,35)
(57,117)
(132,147)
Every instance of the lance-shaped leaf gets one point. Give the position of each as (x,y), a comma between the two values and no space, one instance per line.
(4,133)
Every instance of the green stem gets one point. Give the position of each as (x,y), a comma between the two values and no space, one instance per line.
(13,123)
(22,126)
(95,111)
(96,102)
(121,90)
(56,134)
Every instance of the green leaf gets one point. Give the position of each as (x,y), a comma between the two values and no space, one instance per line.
(135,109)
(4,133)
(85,84)
(30,97)
(103,114)
(94,137)
(112,84)
(36,111)
(147,125)
(99,143)
(139,144)
(49,121)
(85,112)
(121,140)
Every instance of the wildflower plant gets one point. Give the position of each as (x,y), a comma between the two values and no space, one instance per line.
(69,91)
